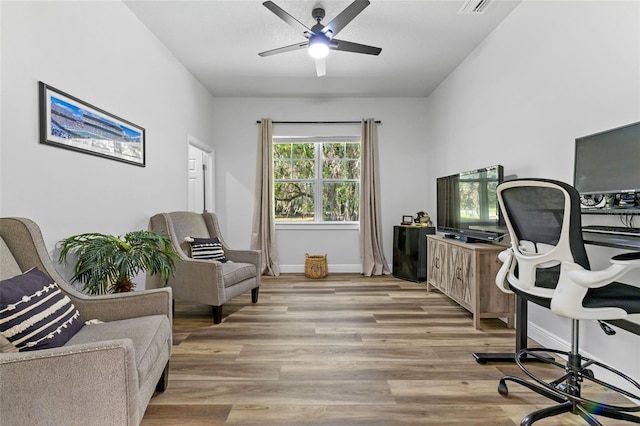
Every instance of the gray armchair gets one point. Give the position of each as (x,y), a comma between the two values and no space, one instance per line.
(205,281)
(107,372)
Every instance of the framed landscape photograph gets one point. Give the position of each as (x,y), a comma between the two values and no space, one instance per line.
(67,122)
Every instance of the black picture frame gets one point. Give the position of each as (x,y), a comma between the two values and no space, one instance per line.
(407,220)
(70,123)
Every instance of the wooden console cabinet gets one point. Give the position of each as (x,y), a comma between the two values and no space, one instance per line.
(466,273)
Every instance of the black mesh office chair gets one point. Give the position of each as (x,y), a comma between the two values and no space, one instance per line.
(547,264)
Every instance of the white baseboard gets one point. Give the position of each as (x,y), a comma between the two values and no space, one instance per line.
(547,339)
(333,268)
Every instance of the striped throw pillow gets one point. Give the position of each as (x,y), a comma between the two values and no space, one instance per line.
(35,314)
(207,248)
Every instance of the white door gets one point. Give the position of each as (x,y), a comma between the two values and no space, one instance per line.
(199,180)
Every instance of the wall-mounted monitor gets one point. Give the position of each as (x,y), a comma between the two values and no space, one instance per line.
(607,167)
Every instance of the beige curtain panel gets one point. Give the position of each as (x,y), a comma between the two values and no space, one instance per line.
(373,260)
(263,235)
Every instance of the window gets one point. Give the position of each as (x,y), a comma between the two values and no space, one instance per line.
(316,179)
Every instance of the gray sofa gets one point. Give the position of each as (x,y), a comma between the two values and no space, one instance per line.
(107,372)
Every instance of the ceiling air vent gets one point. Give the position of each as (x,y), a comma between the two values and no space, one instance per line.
(475,6)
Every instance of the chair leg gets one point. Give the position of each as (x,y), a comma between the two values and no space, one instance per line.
(587,416)
(217,314)
(254,294)
(565,407)
(620,416)
(161,386)
(503,390)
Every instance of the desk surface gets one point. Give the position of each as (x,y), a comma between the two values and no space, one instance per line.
(626,242)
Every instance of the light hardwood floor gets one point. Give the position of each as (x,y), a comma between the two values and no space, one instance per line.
(344,350)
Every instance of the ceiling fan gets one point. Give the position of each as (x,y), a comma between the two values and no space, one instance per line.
(320,38)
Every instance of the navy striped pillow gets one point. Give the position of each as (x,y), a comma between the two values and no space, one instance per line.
(35,314)
(207,248)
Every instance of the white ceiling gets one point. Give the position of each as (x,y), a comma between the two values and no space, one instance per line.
(422,41)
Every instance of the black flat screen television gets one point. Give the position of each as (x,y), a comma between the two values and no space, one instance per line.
(607,167)
(467,205)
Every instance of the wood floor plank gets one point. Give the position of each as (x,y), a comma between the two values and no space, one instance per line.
(182,414)
(345,350)
(296,392)
(208,369)
(332,415)
(431,369)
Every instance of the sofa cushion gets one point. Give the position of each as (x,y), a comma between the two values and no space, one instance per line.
(235,272)
(149,335)
(35,314)
(6,346)
(8,265)
(207,248)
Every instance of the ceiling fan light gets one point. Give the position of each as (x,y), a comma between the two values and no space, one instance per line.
(318,47)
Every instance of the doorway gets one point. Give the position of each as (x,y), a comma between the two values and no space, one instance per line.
(200,181)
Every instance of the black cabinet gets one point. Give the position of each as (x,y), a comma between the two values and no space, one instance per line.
(410,252)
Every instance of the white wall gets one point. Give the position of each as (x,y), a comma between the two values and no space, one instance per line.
(102,54)
(404,164)
(551,72)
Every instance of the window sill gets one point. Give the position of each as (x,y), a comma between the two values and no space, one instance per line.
(289,226)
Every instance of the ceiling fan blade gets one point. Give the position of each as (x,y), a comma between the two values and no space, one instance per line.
(321,67)
(297,25)
(340,21)
(297,46)
(347,46)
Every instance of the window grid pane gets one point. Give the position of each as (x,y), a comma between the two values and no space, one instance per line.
(341,201)
(282,169)
(282,150)
(304,169)
(294,201)
(337,188)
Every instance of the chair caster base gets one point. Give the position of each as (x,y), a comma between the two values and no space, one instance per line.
(566,389)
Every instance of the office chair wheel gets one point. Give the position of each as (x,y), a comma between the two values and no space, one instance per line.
(502,388)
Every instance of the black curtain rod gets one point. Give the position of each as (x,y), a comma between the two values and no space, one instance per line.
(318,122)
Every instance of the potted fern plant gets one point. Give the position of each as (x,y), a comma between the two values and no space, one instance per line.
(107,263)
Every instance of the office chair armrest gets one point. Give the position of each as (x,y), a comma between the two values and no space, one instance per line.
(506,257)
(575,282)
(620,265)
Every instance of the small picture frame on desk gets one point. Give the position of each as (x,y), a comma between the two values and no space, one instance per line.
(407,220)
